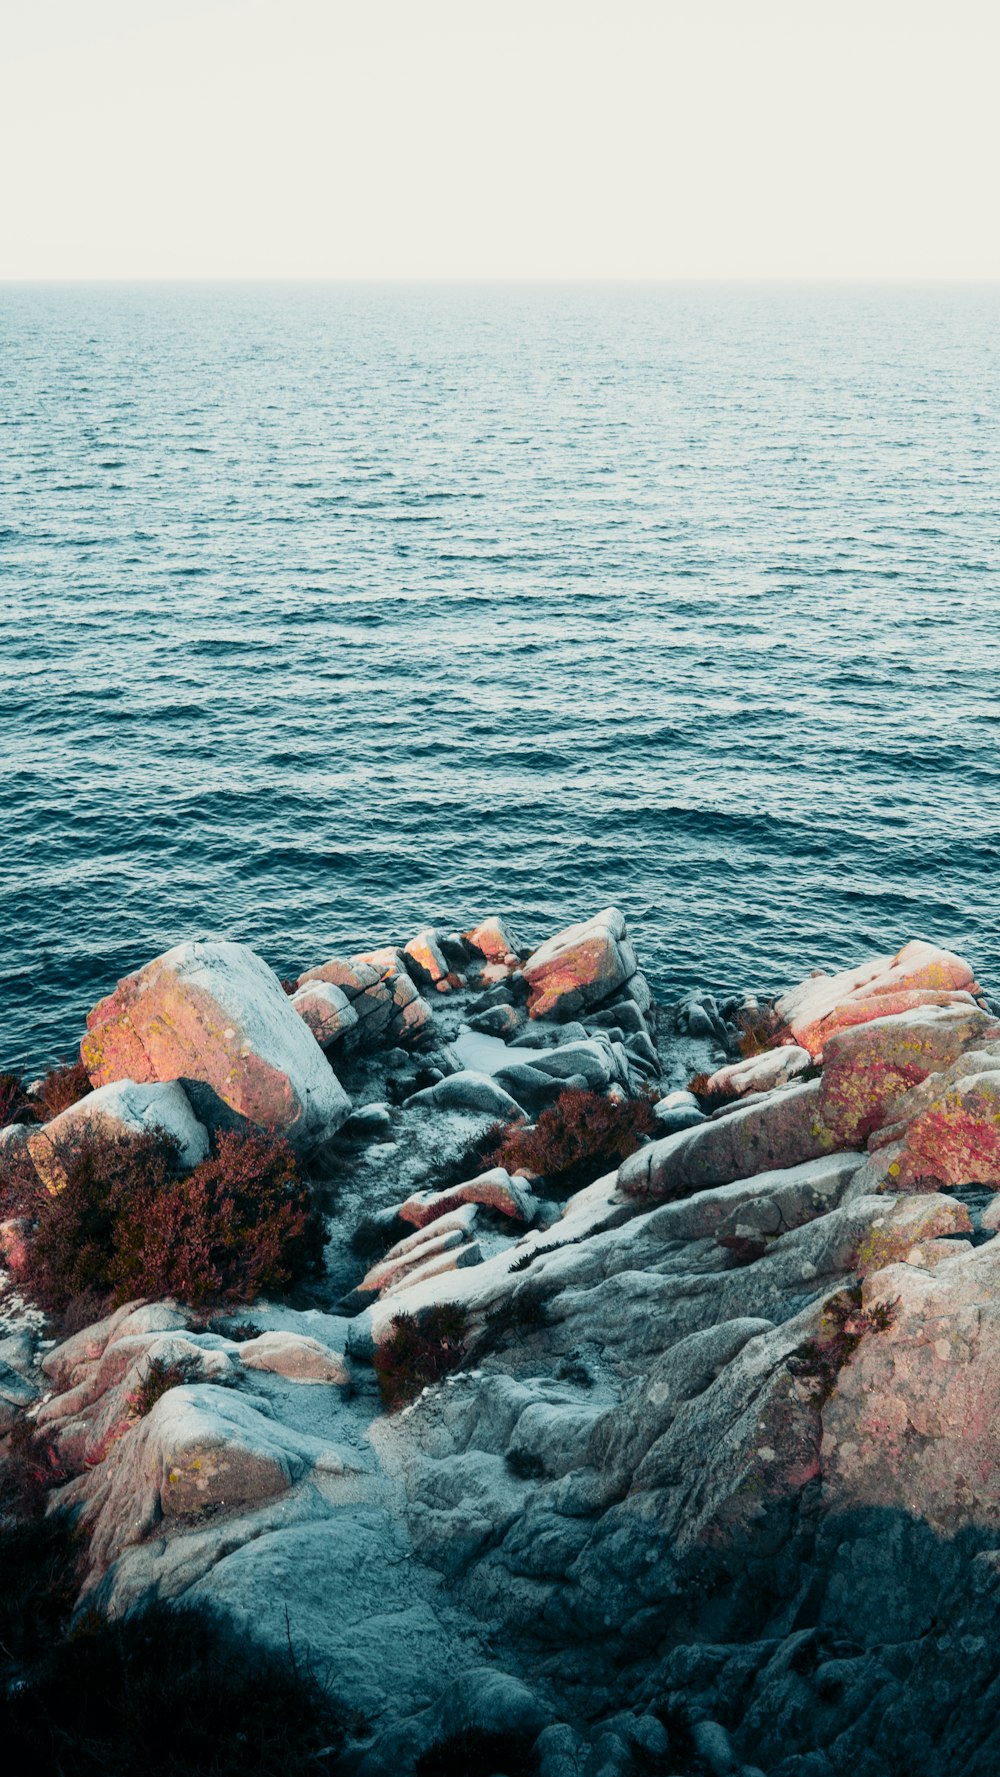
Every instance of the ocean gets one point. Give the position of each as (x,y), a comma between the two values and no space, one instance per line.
(329,612)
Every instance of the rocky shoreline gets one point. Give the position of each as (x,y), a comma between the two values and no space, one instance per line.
(705,1477)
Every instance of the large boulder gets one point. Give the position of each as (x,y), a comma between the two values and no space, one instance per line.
(211,1014)
(918,975)
(123,1108)
(580,966)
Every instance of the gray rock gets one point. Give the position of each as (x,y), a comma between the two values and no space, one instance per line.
(469,1091)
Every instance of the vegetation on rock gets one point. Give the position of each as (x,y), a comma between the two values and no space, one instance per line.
(418,1352)
(843,1325)
(59,1088)
(576,1140)
(128,1222)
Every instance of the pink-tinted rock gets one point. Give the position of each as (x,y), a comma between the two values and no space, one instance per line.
(407,1257)
(947,1132)
(424,957)
(456,1258)
(912,1425)
(758,1073)
(213,1015)
(780,1130)
(869,1068)
(580,966)
(295,1356)
(918,975)
(388,1006)
(494,1190)
(493,940)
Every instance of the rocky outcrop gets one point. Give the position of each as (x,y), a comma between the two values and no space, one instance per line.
(212,1015)
(712,1483)
(326,1010)
(387,1005)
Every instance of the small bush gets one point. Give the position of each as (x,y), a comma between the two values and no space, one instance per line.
(62,1086)
(709,1099)
(15,1105)
(128,1223)
(576,1140)
(31,1466)
(843,1325)
(757,1029)
(156,1379)
(419,1352)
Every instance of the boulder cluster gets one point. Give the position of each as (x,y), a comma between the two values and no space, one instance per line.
(712,1482)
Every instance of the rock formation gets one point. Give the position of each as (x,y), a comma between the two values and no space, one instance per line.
(712,1484)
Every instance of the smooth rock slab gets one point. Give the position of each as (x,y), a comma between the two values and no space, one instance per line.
(580,966)
(213,1015)
(469,1091)
(123,1108)
(758,1073)
(781,1130)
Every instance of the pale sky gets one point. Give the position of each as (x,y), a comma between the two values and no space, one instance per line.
(455,139)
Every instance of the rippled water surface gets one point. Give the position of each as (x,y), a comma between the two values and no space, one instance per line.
(329,612)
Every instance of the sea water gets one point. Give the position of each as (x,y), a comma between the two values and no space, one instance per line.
(329,612)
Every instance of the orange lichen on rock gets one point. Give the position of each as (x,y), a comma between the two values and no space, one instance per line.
(918,975)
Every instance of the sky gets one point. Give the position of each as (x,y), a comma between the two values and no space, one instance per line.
(743,139)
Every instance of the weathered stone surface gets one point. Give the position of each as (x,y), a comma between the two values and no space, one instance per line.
(580,967)
(199,1447)
(918,975)
(868,1069)
(492,938)
(119,1109)
(783,1129)
(758,1073)
(327,1011)
(899,1235)
(946,1131)
(469,1090)
(213,1015)
(296,1356)
(388,1006)
(913,1422)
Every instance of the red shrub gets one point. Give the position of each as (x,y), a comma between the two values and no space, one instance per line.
(62,1086)
(577,1139)
(127,1223)
(418,1352)
(758,1030)
(15,1105)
